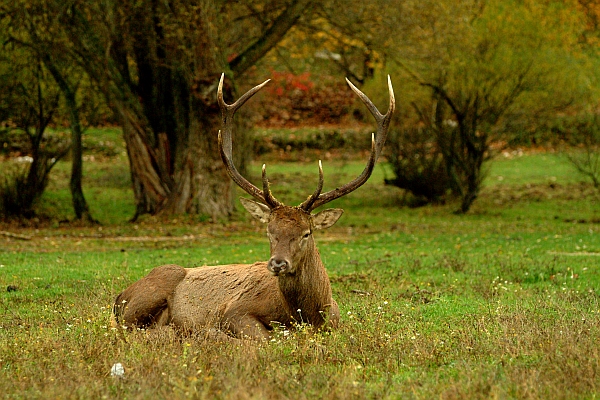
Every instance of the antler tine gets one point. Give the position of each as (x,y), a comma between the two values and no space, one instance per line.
(307,204)
(268,197)
(240,102)
(225,143)
(377,142)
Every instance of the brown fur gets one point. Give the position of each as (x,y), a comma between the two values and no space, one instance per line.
(243,300)
(146,302)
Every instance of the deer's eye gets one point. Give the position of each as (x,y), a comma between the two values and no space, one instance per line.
(306,235)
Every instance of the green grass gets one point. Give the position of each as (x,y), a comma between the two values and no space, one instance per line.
(516,168)
(503,302)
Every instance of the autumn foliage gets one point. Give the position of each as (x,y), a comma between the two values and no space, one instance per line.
(291,100)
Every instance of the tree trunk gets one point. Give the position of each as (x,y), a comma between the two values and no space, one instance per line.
(80,206)
(171,126)
(184,178)
(472,149)
(35,183)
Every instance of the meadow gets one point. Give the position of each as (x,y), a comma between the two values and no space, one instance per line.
(503,302)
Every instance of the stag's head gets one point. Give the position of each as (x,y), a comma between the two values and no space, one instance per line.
(290,228)
(290,233)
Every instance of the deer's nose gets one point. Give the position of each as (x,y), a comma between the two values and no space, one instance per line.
(277,266)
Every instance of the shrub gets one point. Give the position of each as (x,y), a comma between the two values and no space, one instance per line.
(418,165)
(291,99)
(17,194)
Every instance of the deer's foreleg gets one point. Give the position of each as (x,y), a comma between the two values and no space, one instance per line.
(246,326)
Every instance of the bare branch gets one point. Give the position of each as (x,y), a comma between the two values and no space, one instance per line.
(286,20)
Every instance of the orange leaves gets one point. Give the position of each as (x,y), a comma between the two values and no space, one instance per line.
(286,81)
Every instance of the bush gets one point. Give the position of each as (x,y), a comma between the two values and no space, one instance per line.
(14,141)
(17,195)
(418,164)
(291,99)
(313,138)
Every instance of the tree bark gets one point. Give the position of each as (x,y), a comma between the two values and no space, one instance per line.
(195,182)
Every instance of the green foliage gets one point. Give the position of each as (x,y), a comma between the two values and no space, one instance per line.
(287,143)
(493,48)
(491,70)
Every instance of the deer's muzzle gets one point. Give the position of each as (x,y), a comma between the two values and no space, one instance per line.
(278,266)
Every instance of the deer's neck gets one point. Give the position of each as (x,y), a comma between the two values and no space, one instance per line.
(307,293)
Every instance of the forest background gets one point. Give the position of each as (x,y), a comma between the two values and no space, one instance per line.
(472,79)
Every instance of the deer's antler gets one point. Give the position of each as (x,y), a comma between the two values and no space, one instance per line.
(225,147)
(317,199)
(377,141)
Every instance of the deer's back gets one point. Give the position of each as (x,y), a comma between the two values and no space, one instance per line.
(210,296)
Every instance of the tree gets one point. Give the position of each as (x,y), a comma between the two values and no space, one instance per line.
(29,100)
(32,26)
(482,63)
(158,65)
(342,35)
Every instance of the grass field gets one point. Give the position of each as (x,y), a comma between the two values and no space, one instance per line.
(503,302)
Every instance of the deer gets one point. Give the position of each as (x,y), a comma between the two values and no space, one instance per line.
(250,301)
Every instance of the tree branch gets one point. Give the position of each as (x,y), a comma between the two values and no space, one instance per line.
(282,24)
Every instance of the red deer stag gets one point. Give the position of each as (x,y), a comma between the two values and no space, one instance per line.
(246,300)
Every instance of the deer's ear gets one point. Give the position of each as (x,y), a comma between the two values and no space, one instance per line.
(258,210)
(326,218)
